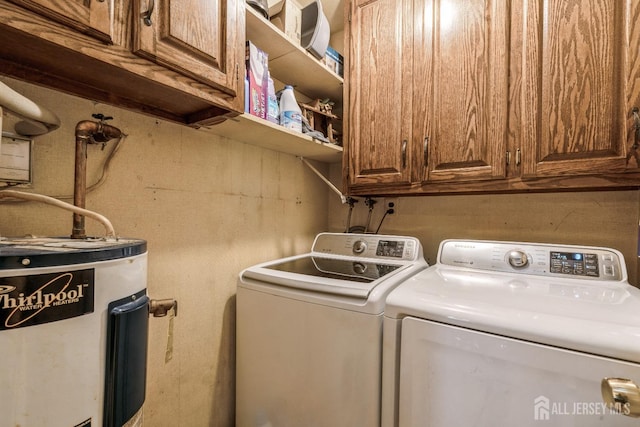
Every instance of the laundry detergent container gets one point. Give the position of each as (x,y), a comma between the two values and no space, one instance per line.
(315,30)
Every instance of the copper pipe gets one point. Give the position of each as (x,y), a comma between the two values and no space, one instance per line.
(87,132)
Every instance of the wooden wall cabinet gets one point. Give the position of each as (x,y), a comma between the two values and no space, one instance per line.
(477,96)
(580,79)
(379,92)
(183,66)
(193,37)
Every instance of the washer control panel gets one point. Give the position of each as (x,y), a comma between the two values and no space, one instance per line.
(369,246)
(533,258)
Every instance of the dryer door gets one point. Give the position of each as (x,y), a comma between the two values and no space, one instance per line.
(451,376)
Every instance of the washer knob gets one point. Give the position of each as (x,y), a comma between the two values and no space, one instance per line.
(359,268)
(359,247)
(518,259)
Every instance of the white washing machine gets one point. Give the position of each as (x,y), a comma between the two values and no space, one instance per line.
(513,334)
(309,331)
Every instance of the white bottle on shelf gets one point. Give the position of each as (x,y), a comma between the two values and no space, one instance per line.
(273,111)
(290,113)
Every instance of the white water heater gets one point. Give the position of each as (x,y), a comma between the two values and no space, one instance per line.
(73,332)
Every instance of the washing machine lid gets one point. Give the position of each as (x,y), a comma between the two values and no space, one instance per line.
(338,276)
(595,316)
(354,266)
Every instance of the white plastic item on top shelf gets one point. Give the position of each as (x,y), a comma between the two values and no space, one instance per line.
(290,113)
(273,110)
(315,30)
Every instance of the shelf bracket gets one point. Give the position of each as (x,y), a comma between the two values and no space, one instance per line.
(322,177)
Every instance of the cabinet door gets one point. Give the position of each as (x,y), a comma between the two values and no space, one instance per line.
(201,39)
(94,18)
(581,78)
(461,86)
(379,95)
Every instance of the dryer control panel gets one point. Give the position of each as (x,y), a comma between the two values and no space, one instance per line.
(535,258)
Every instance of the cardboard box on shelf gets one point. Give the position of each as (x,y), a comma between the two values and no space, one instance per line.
(334,61)
(288,19)
(258,75)
(275,6)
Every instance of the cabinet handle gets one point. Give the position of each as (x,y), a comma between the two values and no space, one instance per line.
(633,151)
(508,157)
(636,127)
(404,154)
(146,15)
(621,395)
(518,157)
(425,151)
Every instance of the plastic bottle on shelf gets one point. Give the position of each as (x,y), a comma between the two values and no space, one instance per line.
(290,113)
(246,94)
(273,111)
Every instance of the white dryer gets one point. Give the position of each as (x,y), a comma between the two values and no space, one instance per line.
(309,331)
(513,334)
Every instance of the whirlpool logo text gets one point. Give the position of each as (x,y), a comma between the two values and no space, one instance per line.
(44,298)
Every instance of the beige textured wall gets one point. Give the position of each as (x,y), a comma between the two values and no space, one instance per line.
(597,218)
(207,206)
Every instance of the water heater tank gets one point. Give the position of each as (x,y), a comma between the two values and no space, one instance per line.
(73,332)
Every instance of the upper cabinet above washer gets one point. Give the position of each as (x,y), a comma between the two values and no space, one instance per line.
(468,95)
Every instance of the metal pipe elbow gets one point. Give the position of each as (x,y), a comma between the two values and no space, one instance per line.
(96,132)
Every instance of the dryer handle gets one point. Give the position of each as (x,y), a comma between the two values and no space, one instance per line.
(621,395)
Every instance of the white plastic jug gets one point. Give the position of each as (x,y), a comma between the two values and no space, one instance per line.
(290,113)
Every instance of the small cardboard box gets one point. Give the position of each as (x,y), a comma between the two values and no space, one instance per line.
(258,75)
(289,20)
(334,61)
(275,6)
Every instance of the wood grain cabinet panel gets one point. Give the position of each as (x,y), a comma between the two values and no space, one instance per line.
(428,91)
(197,38)
(91,17)
(580,83)
(379,75)
(460,89)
